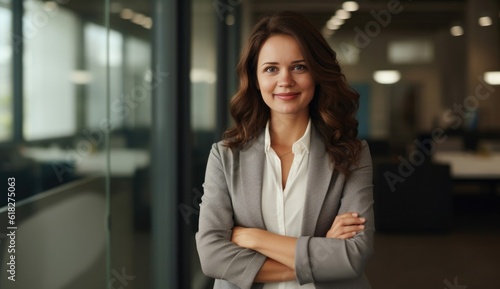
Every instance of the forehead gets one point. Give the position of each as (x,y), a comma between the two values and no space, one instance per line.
(280,48)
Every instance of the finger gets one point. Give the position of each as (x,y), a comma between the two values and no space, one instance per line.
(347,235)
(335,233)
(347,215)
(342,236)
(351,221)
(346,221)
(346,229)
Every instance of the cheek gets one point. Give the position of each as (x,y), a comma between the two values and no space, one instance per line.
(308,83)
(265,85)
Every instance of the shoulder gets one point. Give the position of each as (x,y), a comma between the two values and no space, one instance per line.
(222,148)
(365,158)
(365,149)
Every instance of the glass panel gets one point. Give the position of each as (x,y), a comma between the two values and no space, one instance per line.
(96,60)
(203,112)
(5,72)
(50,58)
(59,227)
(130,83)
(138,78)
(203,77)
(203,70)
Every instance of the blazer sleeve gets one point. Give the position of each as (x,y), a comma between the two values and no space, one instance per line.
(321,259)
(219,257)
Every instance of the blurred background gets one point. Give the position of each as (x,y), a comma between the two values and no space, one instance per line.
(108,109)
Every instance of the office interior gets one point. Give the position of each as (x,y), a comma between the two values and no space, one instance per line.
(109,109)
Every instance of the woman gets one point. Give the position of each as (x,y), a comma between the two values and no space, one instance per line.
(288,192)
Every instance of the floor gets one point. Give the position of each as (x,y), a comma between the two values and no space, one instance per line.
(468,256)
(436,261)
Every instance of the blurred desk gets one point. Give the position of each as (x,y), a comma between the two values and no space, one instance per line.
(475,169)
(124,162)
(471,166)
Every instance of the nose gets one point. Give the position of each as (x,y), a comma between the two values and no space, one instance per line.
(286,79)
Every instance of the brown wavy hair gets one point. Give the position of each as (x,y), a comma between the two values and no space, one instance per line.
(334,104)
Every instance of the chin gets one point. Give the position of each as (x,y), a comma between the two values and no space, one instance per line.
(292,111)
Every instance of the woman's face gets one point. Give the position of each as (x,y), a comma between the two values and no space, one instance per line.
(283,78)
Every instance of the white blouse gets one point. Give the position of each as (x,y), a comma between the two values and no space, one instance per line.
(282,210)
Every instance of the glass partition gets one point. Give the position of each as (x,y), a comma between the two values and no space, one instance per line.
(6,114)
(58,162)
(130,85)
(82,161)
(96,40)
(51,48)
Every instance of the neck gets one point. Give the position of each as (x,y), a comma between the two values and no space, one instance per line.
(285,129)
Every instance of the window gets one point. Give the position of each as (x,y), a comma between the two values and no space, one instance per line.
(5,72)
(50,58)
(96,60)
(410,51)
(138,83)
(203,71)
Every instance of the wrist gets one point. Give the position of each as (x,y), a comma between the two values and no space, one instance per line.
(256,238)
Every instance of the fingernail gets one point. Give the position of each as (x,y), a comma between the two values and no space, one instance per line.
(354,233)
(362,219)
(361,226)
(354,214)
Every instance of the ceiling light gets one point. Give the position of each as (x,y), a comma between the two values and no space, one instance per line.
(387,76)
(147,22)
(337,21)
(492,77)
(343,14)
(138,18)
(202,75)
(350,6)
(80,77)
(127,13)
(331,25)
(457,30)
(230,20)
(485,21)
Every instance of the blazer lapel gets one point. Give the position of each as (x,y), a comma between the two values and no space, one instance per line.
(318,181)
(251,169)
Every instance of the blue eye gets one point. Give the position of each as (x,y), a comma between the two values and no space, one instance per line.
(299,67)
(271,69)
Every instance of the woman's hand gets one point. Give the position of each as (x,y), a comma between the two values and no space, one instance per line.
(277,247)
(346,226)
(244,237)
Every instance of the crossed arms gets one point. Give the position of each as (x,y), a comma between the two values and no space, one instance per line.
(280,250)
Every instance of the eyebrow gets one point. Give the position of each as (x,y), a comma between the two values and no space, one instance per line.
(295,61)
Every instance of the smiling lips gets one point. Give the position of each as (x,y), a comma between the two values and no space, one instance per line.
(287,95)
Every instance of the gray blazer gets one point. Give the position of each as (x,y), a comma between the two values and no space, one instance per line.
(232,196)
